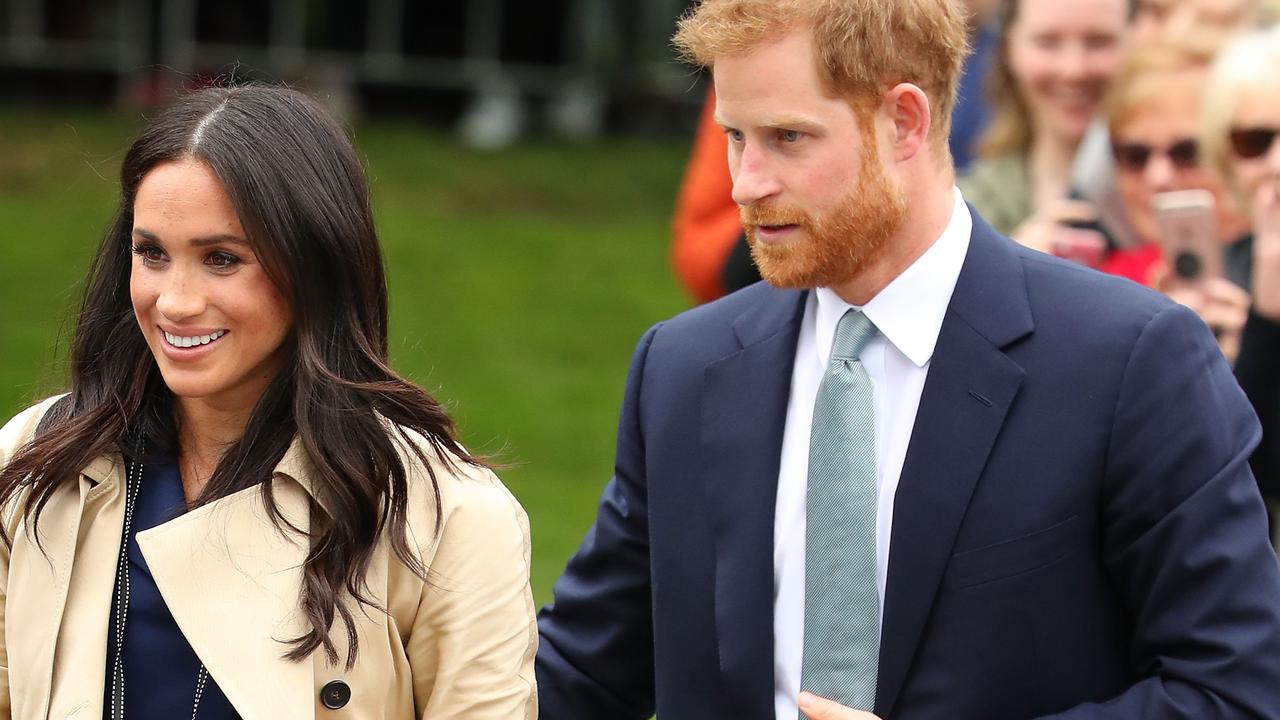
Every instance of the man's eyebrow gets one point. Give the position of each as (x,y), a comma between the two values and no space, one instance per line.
(781,122)
(203,241)
(791,122)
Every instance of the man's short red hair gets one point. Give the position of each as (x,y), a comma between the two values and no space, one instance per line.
(862,47)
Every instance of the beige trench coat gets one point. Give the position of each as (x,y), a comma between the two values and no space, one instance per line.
(460,646)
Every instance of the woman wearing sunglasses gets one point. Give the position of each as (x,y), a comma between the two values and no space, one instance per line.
(239,509)
(1152,111)
(1160,146)
(1239,127)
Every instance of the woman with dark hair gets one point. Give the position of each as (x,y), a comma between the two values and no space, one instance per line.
(239,508)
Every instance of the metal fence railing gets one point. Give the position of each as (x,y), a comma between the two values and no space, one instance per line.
(102,37)
(600,45)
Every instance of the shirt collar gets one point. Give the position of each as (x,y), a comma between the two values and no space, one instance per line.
(910,309)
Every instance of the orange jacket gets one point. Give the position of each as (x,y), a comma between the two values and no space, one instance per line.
(706,225)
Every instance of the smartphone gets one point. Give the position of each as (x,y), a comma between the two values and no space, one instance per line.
(1188,231)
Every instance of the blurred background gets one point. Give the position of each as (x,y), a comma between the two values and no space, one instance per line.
(548,183)
(523,158)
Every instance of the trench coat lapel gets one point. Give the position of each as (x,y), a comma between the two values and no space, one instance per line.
(232,581)
(228,576)
(744,409)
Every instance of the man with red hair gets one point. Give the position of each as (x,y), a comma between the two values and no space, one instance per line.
(922,472)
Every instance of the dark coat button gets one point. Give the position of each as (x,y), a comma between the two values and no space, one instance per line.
(335,694)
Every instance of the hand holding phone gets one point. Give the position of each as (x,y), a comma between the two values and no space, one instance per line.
(1066,228)
(1079,244)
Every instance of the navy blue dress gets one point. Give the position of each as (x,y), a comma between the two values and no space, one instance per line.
(160,668)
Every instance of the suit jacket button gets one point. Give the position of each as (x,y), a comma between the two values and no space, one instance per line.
(335,694)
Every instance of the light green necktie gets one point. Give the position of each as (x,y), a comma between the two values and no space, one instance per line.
(841,605)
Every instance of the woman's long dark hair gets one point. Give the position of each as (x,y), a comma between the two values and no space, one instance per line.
(300,193)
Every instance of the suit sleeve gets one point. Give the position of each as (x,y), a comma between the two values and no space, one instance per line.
(595,656)
(1185,535)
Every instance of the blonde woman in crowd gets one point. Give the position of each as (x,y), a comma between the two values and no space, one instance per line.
(1239,124)
(1208,24)
(1152,113)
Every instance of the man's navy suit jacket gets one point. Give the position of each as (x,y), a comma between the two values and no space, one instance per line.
(1076,531)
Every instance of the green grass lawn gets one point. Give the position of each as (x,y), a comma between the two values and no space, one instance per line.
(520,282)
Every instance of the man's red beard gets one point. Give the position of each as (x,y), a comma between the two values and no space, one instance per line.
(833,248)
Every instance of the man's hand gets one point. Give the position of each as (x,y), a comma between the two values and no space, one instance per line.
(816,708)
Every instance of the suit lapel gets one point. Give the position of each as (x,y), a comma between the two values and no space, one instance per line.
(744,408)
(969,389)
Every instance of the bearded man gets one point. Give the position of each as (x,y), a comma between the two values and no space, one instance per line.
(921,472)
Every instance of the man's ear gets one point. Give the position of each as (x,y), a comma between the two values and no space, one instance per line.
(908,109)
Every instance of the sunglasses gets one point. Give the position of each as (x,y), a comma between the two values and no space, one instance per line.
(1251,143)
(1134,156)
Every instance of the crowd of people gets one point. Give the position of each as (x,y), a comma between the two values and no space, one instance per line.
(1072,121)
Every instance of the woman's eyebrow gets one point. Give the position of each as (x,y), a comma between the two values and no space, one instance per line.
(202,241)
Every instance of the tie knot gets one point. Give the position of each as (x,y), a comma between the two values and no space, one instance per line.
(853,333)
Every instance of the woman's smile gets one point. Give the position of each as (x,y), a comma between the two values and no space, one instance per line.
(188,339)
(185,345)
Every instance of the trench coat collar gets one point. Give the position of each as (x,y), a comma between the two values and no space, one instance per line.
(295,464)
(108,468)
(232,580)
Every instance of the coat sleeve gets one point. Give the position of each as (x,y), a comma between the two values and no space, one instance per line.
(1185,535)
(473,639)
(595,660)
(16,433)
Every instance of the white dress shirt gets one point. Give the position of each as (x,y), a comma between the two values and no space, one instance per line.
(908,313)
